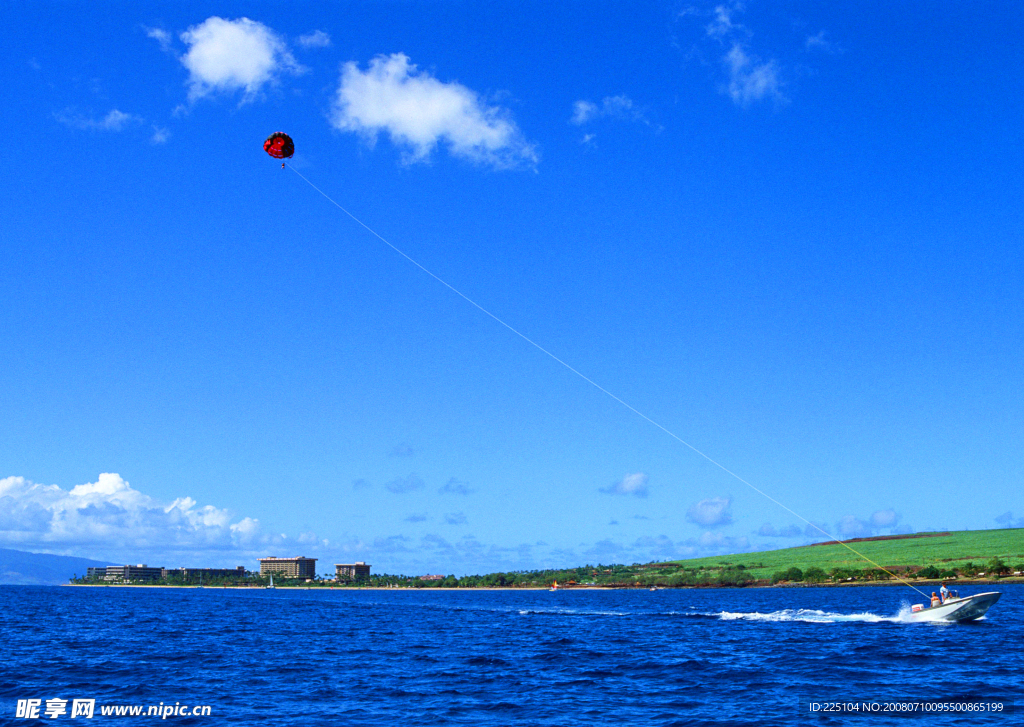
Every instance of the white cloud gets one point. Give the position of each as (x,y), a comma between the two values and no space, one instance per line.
(316,39)
(225,56)
(419,112)
(821,42)
(722,24)
(853,527)
(583,111)
(246,530)
(615,107)
(710,512)
(115,120)
(160,135)
(750,79)
(635,484)
(160,36)
(885,518)
(109,518)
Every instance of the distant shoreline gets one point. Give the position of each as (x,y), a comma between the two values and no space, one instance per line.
(859,584)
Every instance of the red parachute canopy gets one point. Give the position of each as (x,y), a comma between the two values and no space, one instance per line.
(279,145)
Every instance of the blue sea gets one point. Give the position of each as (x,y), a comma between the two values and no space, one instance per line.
(579,657)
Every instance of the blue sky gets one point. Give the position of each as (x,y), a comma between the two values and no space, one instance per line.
(787,232)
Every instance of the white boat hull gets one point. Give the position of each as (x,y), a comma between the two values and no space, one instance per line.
(968,608)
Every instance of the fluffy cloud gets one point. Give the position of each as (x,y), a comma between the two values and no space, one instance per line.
(710,512)
(109,518)
(316,39)
(750,79)
(419,112)
(635,485)
(455,518)
(225,56)
(115,120)
(405,484)
(853,527)
(885,518)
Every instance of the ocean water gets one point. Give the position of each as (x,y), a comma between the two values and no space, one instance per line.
(672,657)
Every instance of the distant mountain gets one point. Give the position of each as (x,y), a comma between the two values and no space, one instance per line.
(41,569)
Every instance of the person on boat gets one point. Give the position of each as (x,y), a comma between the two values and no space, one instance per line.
(944,592)
(935,600)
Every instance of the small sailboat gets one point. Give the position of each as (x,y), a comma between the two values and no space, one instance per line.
(271,584)
(554,586)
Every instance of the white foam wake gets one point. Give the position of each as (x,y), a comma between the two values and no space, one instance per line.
(807,615)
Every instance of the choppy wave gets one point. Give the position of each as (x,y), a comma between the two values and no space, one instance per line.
(494,659)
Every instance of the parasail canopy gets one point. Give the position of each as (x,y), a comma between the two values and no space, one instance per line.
(279,145)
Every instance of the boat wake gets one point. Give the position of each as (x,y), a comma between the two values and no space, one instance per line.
(567,612)
(808,615)
(811,615)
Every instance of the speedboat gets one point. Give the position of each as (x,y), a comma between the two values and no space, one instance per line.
(956,609)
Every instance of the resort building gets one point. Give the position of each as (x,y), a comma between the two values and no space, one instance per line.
(135,573)
(351,571)
(196,574)
(297,567)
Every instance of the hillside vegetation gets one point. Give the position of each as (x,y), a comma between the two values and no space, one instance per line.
(962,554)
(947,551)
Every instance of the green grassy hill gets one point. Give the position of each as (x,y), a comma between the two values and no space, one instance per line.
(942,550)
(964,554)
